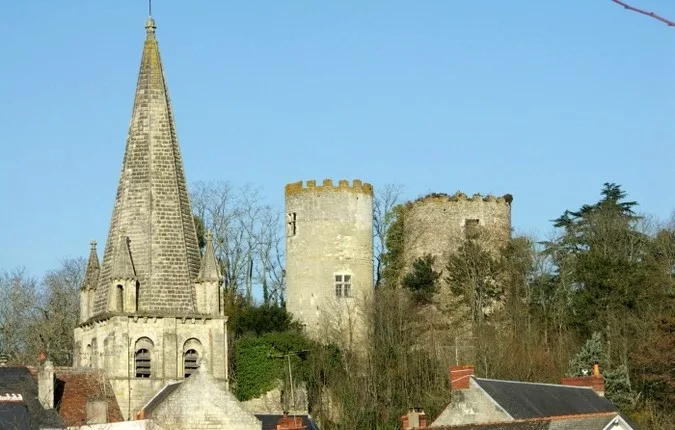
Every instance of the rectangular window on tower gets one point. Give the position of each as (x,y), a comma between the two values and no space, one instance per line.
(343,285)
(471,228)
(291,224)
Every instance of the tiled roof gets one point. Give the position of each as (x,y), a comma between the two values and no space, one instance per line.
(74,387)
(18,380)
(573,422)
(533,400)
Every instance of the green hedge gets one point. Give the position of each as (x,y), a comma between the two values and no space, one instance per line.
(258,362)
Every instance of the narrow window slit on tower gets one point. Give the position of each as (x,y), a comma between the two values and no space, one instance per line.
(291,224)
(120,298)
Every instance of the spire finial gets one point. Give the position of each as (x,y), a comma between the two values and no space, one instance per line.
(93,245)
(150,23)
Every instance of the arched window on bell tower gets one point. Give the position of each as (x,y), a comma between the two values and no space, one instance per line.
(143,357)
(192,352)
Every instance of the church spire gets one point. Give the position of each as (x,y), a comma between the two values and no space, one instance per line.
(152,206)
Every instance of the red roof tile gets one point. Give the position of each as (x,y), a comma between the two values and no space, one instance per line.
(74,387)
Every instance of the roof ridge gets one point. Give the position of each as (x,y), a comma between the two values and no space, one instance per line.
(549,384)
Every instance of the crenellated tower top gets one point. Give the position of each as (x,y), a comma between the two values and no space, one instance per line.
(357,186)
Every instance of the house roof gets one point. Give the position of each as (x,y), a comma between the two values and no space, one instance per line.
(523,400)
(574,422)
(14,415)
(75,387)
(269,421)
(18,380)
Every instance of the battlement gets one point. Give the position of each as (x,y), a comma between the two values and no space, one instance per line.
(343,185)
(461,197)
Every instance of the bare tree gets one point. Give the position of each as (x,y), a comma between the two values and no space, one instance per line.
(383,217)
(18,294)
(668,22)
(248,237)
(57,311)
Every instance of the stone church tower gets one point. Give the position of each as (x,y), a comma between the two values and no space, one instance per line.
(329,257)
(152,309)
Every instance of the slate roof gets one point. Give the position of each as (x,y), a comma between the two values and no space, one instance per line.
(535,400)
(18,380)
(14,416)
(578,422)
(269,421)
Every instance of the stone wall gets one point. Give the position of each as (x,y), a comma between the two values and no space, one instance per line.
(111,344)
(439,223)
(470,406)
(329,233)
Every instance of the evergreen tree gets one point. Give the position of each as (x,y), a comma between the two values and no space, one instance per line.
(422,281)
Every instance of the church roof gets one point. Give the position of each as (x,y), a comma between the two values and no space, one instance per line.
(152,206)
(201,394)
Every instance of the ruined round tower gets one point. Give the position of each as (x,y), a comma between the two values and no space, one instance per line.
(329,255)
(438,224)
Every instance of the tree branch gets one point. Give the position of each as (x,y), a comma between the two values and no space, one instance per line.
(668,22)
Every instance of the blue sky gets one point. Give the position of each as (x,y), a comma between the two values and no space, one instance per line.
(544,100)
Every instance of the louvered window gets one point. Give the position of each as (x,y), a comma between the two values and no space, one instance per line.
(191,361)
(143,363)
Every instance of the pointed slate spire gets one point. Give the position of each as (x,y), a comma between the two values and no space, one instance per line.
(210,269)
(152,206)
(90,280)
(123,265)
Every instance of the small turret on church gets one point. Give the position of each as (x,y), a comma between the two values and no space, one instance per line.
(152,309)
(89,284)
(209,281)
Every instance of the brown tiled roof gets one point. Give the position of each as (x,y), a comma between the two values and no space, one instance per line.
(74,387)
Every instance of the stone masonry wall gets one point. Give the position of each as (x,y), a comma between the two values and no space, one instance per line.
(113,348)
(436,224)
(329,232)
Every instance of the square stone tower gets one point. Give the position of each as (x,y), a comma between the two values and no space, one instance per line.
(152,310)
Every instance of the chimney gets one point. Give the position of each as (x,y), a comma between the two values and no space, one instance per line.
(46,384)
(287,422)
(460,377)
(596,381)
(414,419)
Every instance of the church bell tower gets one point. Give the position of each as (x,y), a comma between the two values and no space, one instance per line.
(152,309)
